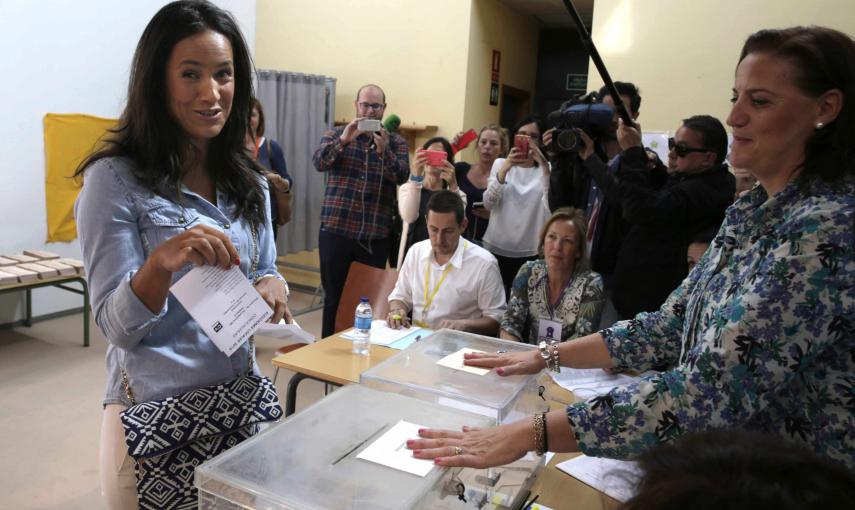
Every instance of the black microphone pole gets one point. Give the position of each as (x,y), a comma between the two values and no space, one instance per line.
(588,43)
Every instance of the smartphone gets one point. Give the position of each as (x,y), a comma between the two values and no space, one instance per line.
(369,125)
(465,139)
(477,205)
(521,143)
(435,158)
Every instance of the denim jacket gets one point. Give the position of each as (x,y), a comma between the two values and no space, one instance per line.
(119,222)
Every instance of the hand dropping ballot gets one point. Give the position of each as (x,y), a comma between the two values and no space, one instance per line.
(224,304)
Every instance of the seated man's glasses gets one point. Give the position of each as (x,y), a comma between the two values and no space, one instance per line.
(681,150)
(373,106)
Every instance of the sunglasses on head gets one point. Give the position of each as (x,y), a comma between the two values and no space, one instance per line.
(681,150)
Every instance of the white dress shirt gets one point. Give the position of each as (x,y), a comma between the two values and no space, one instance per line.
(472,288)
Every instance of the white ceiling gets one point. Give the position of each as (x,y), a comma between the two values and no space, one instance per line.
(552,13)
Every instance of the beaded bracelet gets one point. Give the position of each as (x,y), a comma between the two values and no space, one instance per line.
(554,365)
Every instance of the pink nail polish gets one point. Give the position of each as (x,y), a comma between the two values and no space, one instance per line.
(410,442)
(437,461)
(421,430)
(500,371)
(416,452)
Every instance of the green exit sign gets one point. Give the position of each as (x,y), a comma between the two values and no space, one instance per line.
(576,82)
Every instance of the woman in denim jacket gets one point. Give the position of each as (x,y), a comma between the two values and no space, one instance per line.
(172,188)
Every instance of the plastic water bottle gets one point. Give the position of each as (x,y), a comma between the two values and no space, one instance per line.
(362,325)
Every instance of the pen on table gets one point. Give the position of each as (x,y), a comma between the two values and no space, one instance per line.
(528,506)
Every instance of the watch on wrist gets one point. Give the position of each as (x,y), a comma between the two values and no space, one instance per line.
(544,353)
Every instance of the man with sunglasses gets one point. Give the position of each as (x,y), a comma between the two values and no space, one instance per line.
(364,164)
(665,210)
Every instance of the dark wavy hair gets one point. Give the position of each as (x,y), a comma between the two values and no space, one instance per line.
(739,470)
(149,135)
(823,60)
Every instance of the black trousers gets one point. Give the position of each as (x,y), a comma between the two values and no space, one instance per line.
(508,268)
(336,253)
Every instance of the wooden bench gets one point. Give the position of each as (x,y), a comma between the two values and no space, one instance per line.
(29,278)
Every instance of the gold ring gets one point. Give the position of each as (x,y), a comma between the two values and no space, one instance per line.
(458,450)
(396,316)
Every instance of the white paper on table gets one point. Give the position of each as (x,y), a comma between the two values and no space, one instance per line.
(455,361)
(614,477)
(382,334)
(284,331)
(589,382)
(391,450)
(224,303)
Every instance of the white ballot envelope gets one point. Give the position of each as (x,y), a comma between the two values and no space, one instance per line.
(391,450)
(285,331)
(224,303)
(455,361)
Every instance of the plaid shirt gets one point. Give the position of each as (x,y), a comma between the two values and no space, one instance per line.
(360,184)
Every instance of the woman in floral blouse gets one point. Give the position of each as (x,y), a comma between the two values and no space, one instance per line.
(761,334)
(555,297)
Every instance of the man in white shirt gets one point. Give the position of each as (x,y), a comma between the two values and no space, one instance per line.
(447,281)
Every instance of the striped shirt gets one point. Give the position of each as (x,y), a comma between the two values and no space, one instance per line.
(360,191)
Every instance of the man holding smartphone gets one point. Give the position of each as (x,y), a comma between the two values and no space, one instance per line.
(364,164)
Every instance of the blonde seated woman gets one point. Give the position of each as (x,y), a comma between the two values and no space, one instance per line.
(556,297)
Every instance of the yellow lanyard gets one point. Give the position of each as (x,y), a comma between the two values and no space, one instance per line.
(429,298)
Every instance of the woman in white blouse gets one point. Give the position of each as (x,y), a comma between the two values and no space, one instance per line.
(516,199)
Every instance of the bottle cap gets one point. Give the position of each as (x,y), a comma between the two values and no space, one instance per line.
(363,299)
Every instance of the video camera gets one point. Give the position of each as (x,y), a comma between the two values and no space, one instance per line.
(583,112)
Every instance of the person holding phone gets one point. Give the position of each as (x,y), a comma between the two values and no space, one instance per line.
(491,143)
(364,165)
(517,201)
(432,170)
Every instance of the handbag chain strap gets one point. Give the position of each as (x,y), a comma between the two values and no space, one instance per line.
(256,255)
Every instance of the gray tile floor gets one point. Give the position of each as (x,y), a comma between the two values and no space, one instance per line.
(50,410)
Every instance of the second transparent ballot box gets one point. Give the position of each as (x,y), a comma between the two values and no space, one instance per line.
(415,372)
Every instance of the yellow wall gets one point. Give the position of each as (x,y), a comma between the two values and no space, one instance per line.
(415,50)
(682,54)
(495,26)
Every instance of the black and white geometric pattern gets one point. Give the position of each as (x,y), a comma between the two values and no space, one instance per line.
(170,437)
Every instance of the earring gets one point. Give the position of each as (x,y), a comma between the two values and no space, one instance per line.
(820,125)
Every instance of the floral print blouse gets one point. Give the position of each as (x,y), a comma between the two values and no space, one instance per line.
(760,335)
(578,310)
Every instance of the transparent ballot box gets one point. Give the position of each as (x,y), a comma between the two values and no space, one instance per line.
(310,461)
(414,372)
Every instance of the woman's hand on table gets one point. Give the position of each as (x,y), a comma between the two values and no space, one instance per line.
(507,363)
(272,290)
(473,447)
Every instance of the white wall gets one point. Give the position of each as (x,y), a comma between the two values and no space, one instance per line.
(61,56)
(682,54)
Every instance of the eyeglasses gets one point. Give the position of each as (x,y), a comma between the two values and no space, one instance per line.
(373,106)
(681,150)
